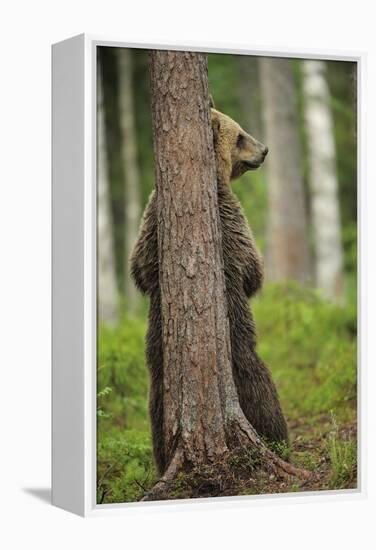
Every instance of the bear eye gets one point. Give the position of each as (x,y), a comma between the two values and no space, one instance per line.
(240,140)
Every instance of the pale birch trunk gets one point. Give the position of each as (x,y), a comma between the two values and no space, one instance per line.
(323,181)
(132,205)
(287,244)
(107,288)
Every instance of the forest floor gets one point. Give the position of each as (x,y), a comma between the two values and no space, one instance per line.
(327,450)
(314,366)
(318,444)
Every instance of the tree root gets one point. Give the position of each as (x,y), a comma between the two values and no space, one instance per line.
(245,436)
(283,469)
(268,461)
(167,480)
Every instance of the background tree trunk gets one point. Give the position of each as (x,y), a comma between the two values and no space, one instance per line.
(132,205)
(250,96)
(287,247)
(107,288)
(323,180)
(202,417)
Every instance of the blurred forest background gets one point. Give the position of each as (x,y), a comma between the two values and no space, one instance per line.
(302,208)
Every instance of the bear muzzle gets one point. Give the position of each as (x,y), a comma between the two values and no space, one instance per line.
(258,153)
(257,160)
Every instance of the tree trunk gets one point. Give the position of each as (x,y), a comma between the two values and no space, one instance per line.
(131,173)
(288,254)
(107,289)
(203,420)
(323,181)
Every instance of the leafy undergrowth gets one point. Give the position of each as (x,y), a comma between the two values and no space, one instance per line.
(125,468)
(310,347)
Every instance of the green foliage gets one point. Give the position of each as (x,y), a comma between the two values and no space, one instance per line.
(280,448)
(224,79)
(100,395)
(252,193)
(121,368)
(249,458)
(125,468)
(343,458)
(310,347)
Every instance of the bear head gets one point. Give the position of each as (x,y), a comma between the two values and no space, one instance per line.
(236,151)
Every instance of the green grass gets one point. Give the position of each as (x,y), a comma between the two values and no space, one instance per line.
(343,458)
(121,369)
(310,348)
(125,466)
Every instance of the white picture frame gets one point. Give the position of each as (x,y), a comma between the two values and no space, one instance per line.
(74,277)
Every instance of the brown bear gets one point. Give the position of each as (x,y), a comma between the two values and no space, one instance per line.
(235,153)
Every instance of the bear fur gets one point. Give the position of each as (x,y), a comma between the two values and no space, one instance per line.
(235,153)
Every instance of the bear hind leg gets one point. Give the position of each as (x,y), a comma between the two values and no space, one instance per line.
(259,401)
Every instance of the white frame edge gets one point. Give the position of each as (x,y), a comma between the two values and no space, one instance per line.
(74,279)
(68,377)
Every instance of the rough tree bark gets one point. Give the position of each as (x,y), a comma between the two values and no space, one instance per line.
(203,420)
(323,180)
(288,253)
(132,205)
(107,288)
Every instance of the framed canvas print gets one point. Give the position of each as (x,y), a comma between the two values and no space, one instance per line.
(206,314)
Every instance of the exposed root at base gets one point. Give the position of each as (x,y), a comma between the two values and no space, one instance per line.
(237,473)
(283,469)
(167,480)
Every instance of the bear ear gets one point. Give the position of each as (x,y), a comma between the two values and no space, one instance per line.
(211,102)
